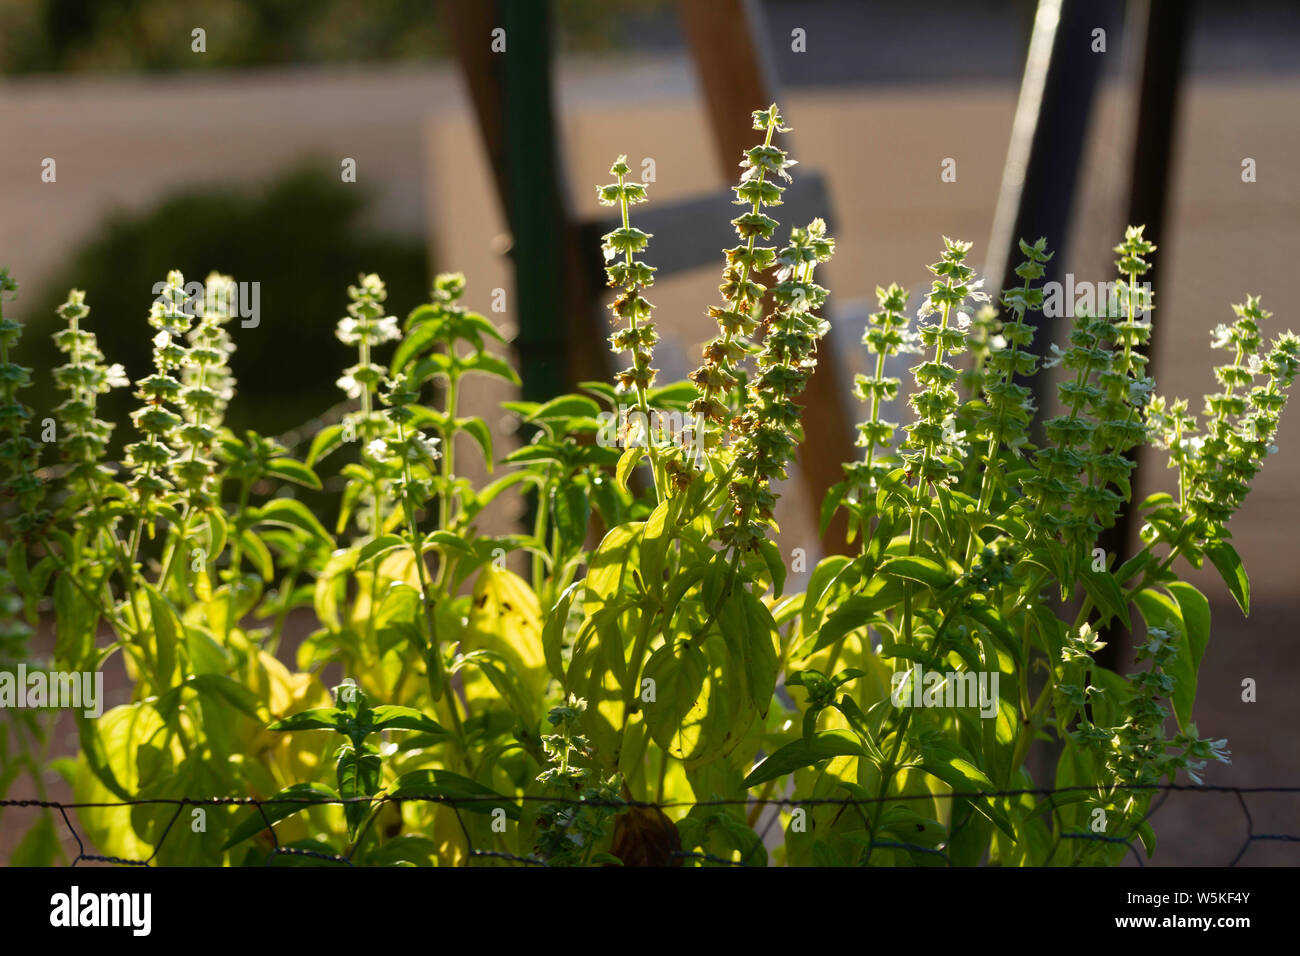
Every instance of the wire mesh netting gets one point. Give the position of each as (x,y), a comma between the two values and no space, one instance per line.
(458,803)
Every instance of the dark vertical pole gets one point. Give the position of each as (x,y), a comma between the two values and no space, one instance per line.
(535,201)
(560,332)
(1041,173)
(1161,28)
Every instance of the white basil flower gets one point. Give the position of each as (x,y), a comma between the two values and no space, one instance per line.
(347,331)
(426,446)
(115,376)
(351,387)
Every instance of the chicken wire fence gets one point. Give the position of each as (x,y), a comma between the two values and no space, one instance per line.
(678,855)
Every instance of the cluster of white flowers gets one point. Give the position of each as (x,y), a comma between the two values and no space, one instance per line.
(115,376)
(351,331)
(416,448)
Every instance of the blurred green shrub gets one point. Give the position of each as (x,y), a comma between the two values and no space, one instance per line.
(295,237)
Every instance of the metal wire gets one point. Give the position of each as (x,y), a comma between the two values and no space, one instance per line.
(456,803)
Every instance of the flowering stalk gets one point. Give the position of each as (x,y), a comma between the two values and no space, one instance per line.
(207,387)
(736,318)
(769,430)
(158,424)
(1136,753)
(366,327)
(85,436)
(415,451)
(886,335)
(19,454)
(1009,406)
(936,447)
(1215,468)
(631,276)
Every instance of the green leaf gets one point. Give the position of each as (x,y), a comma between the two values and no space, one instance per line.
(749,630)
(830,504)
(491,365)
(804,753)
(447,541)
(291,513)
(218,531)
(257,553)
(452,788)
(627,464)
(565,406)
(320,718)
(295,471)
(1107,595)
(477,429)
(358,775)
(74,624)
(219,687)
(964,777)
(917,568)
(677,395)
(603,389)
(554,630)
(482,324)
(608,566)
(1196,619)
(852,614)
(775,566)
(431,366)
(413,850)
(827,571)
(655,540)
(571,509)
(678,670)
(379,546)
(1130,568)
(489,493)
(504,677)
(94,752)
(995,624)
(167,630)
(326,441)
(1147,834)
(413,343)
(1228,562)
(397,717)
(537,451)
(290,800)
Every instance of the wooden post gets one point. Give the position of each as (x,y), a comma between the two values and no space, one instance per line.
(725,43)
